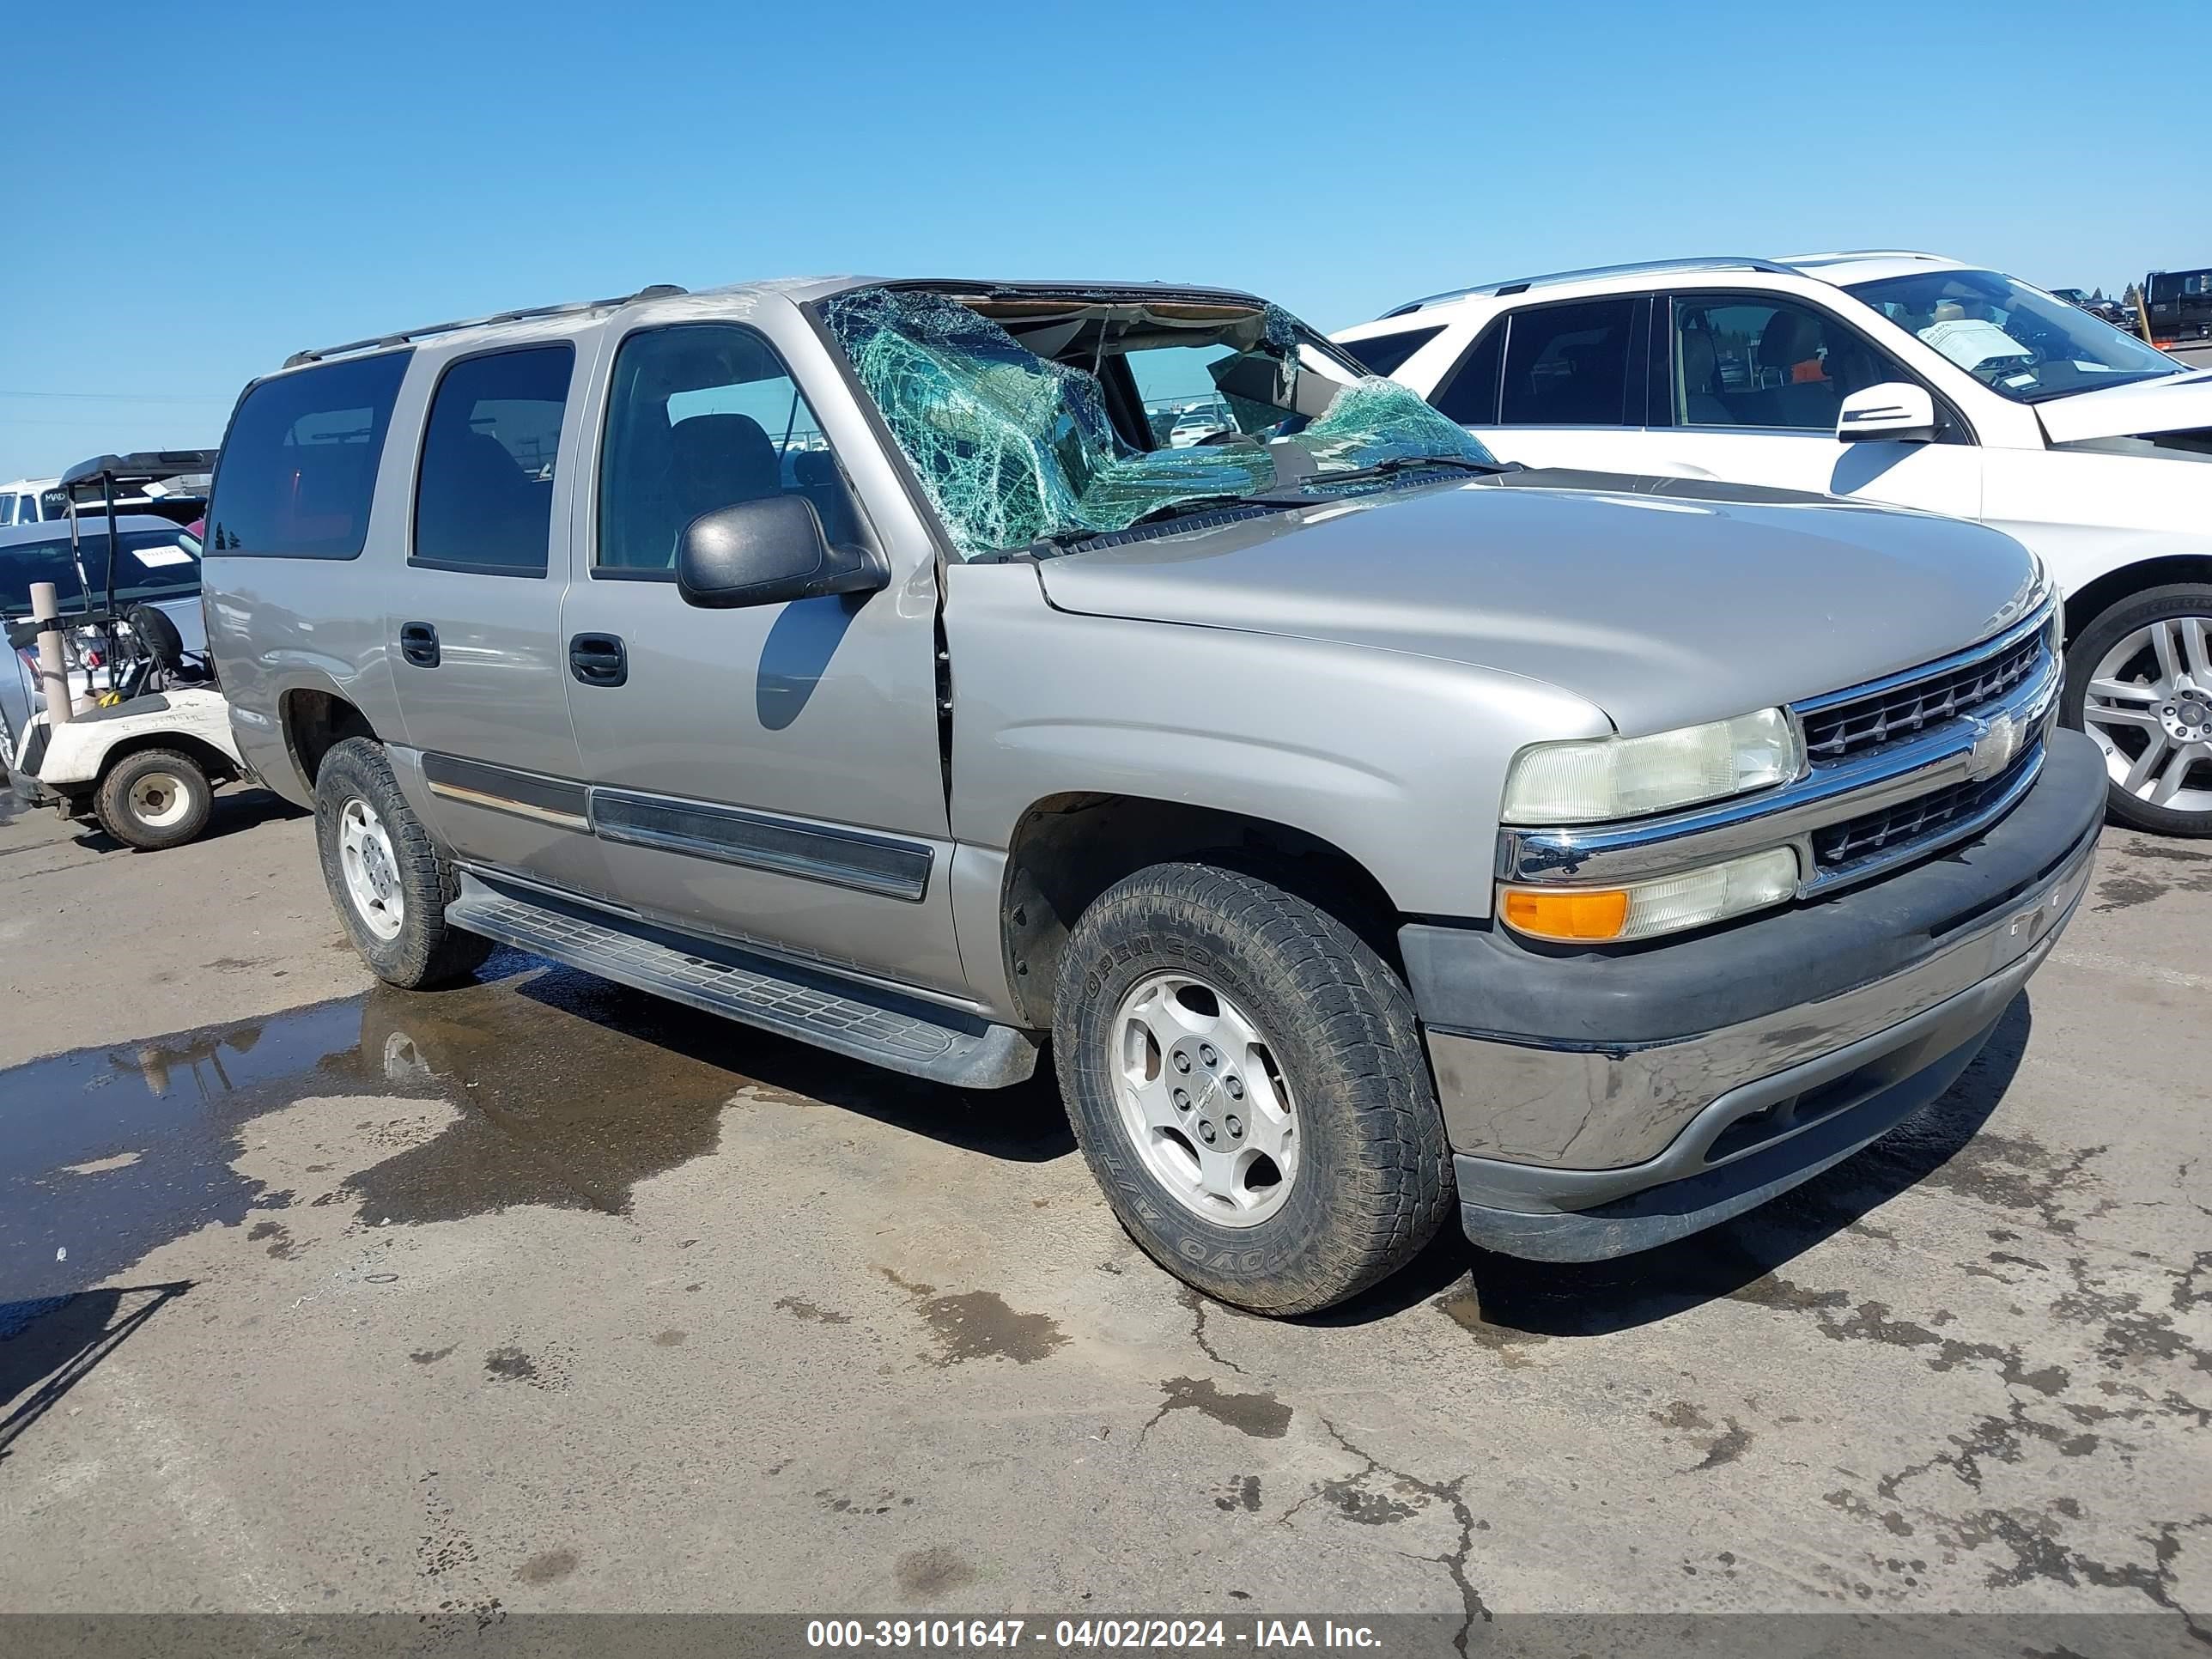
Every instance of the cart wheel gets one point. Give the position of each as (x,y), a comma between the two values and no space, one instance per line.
(155,799)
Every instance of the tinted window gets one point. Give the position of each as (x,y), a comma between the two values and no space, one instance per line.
(700,416)
(152,564)
(1384,354)
(1568,365)
(7,510)
(2168,286)
(1469,393)
(1767,363)
(484,494)
(299,463)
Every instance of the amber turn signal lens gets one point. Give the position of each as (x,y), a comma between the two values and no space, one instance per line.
(1567,913)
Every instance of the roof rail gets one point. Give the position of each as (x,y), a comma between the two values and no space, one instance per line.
(1838,255)
(1717,262)
(657,291)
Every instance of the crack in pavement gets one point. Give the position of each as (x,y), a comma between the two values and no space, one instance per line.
(2001,1440)
(2133,1331)
(1446,1493)
(1195,1301)
(1871,1321)
(2038,1555)
(2018,1173)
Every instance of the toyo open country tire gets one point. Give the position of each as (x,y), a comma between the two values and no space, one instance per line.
(386,879)
(155,799)
(2139,681)
(1281,1017)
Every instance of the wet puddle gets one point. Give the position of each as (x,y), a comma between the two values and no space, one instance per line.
(569,1092)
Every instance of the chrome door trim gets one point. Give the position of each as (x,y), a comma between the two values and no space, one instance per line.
(502,789)
(883,864)
(887,866)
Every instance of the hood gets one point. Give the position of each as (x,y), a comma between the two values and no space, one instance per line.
(2176,403)
(1661,608)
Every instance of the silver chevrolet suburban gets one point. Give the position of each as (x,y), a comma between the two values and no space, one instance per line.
(1371,828)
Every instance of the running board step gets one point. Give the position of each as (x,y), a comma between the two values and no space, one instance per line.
(903,1034)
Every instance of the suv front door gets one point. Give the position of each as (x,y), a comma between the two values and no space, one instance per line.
(1747,387)
(770,774)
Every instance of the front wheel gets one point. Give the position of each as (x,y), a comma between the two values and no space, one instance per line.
(2139,682)
(154,799)
(386,876)
(1244,1076)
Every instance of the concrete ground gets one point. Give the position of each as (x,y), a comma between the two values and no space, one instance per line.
(539,1294)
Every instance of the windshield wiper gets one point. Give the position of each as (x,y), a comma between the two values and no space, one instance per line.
(1415,464)
(1302,491)
(1196,504)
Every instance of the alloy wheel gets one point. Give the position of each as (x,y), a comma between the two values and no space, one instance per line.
(2150,707)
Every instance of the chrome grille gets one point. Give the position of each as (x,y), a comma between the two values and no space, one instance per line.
(1841,845)
(1840,729)
(1900,769)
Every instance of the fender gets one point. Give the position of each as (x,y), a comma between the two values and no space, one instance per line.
(77,750)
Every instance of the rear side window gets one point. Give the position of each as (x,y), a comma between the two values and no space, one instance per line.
(299,463)
(1568,365)
(483,493)
(1469,393)
(1385,354)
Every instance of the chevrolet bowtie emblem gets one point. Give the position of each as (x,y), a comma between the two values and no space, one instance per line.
(1995,742)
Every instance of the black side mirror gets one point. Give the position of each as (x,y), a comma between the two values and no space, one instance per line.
(767,552)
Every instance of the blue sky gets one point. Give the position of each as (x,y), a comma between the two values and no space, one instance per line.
(293,175)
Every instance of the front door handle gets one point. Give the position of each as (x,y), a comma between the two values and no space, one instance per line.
(418,643)
(599,660)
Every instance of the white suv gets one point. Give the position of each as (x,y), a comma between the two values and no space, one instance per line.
(31,500)
(1898,378)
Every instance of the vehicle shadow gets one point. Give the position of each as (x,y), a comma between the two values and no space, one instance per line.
(1023,1124)
(232,811)
(51,1344)
(1482,1289)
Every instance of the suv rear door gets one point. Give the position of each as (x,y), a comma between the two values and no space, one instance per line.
(475,631)
(1558,384)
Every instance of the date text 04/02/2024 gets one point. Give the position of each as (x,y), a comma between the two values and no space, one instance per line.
(1259,1635)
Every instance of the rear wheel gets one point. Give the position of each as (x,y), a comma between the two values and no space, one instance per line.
(1245,1076)
(2139,682)
(386,876)
(155,799)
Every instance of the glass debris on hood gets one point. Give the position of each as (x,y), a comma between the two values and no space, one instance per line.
(1013,448)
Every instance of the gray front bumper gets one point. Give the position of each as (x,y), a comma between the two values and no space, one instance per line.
(1744,1062)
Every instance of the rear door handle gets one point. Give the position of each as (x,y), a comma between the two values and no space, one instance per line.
(418,643)
(599,660)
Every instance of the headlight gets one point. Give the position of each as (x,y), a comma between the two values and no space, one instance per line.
(1641,909)
(1591,778)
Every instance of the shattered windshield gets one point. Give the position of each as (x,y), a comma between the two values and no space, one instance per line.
(1015,445)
